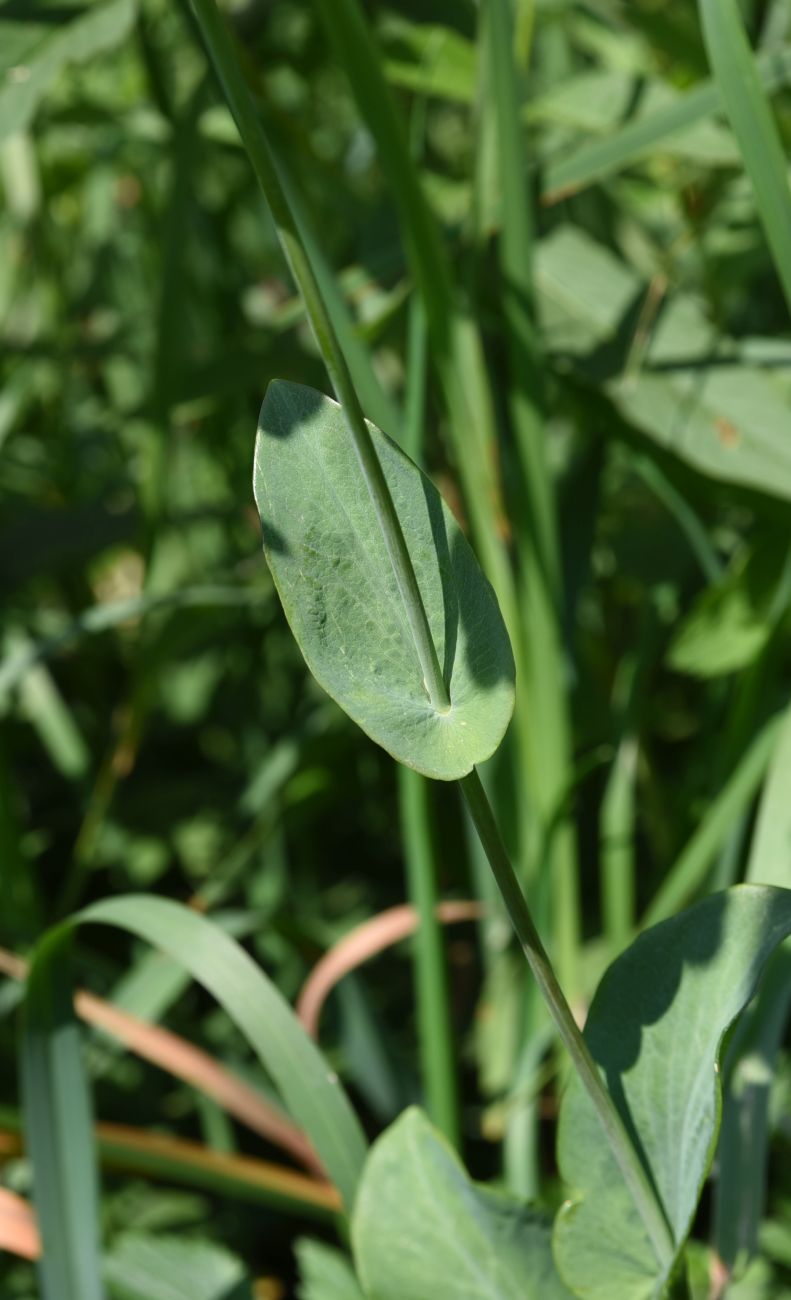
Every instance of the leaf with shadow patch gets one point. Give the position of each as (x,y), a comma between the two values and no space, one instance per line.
(655,1028)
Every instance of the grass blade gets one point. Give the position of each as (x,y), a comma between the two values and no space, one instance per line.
(59,1129)
(184,1061)
(645,137)
(267,171)
(363,943)
(751,118)
(689,872)
(312,1091)
(129,1150)
(544,686)
(455,342)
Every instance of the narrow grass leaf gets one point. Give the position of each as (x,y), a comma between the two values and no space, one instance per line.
(59,1129)
(365,941)
(432,992)
(185,1061)
(670,998)
(644,137)
(689,871)
(770,850)
(462,1240)
(309,1088)
(456,350)
(35,51)
(243,1178)
(324,547)
(751,117)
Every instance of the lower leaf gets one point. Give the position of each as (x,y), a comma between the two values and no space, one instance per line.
(655,1028)
(422,1228)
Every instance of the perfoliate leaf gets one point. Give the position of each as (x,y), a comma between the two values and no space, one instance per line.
(655,1028)
(327,555)
(422,1228)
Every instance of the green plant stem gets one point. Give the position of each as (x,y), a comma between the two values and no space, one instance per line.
(535,513)
(621,1146)
(221,51)
(456,349)
(240,102)
(431,976)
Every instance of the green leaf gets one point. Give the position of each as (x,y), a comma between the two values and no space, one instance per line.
(309,1088)
(429,59)
(668,127)
(59,1129)
(751,118)
(770,851)
(690,869)
(147,1266)
(422,1228)
(690,391)
(325,1273)
(34,53)
(325,549)
(732,621)
(740,1194)
(655,1028)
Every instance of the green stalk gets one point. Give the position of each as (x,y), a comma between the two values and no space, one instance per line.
(431,976)
(617,846)
(456,347)
(620,1143)
(416,367)
(432,994)
(549,738)
(240,102)
(618,809)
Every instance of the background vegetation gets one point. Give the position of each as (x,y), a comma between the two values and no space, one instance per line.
(577,319)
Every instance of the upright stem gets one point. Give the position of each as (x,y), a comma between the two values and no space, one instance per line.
(431,976)
(240,102)
(620,1143)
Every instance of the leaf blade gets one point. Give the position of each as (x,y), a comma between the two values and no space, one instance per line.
(463,1240)
(756,131)
(311,1091)
(324,548)
(59,1130)
(668,998)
